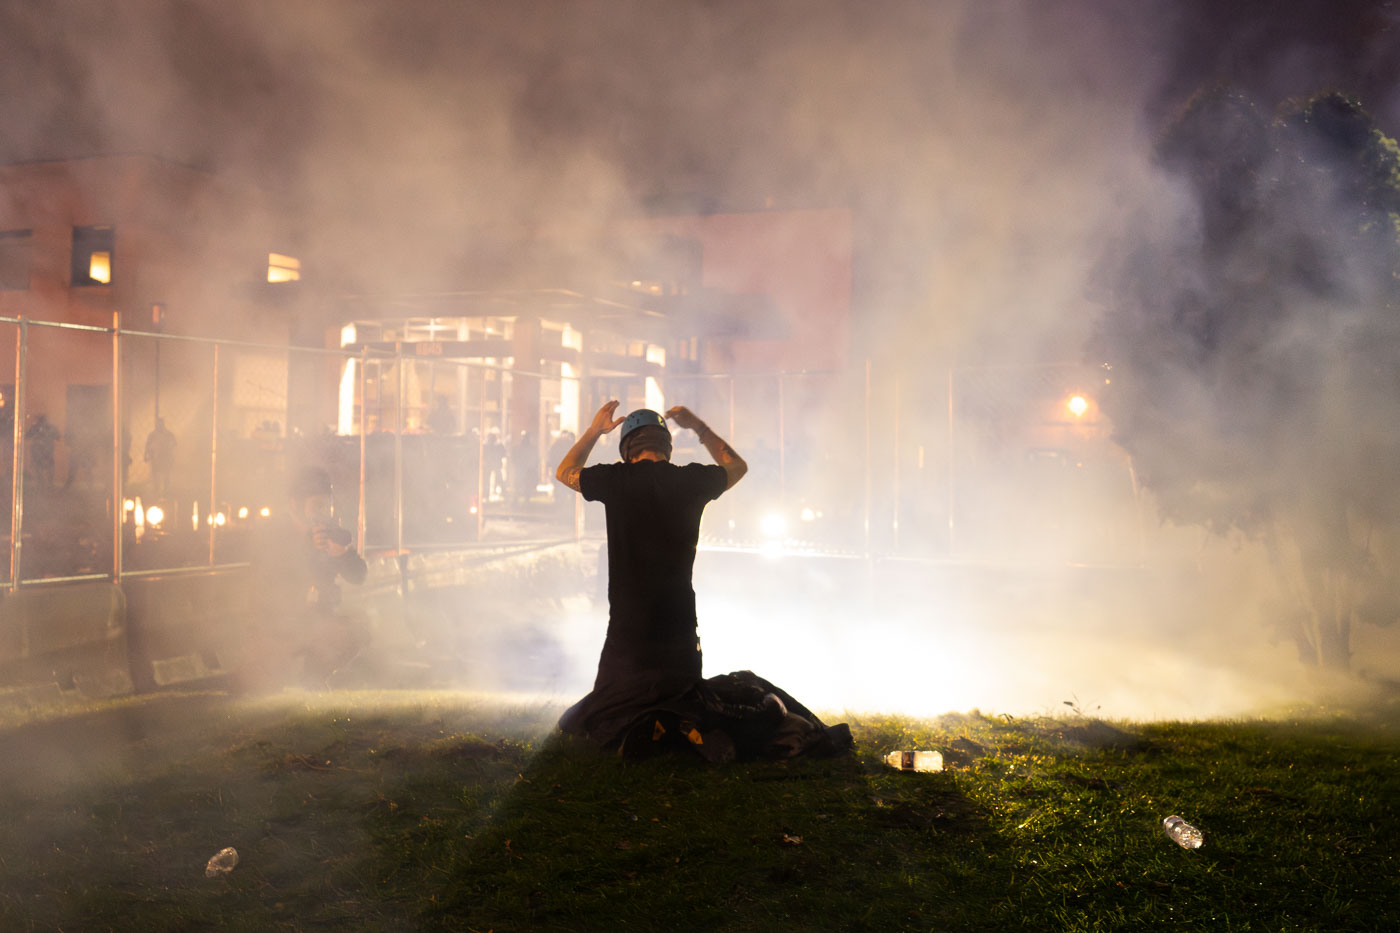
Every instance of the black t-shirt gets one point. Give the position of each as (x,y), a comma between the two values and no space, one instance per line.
(653,517)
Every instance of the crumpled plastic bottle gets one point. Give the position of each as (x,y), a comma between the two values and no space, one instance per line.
(222,863)
(1182,832)
(906,760)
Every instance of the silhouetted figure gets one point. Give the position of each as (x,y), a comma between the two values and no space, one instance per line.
(301,556)
(441,420)
(7,446)
(563,502)
(524,468)
(84,454)
(493,461)
(160,454)
(126,453)
(40,438)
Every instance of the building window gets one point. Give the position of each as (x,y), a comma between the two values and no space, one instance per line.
(14,259)
(282,268)
(92,255)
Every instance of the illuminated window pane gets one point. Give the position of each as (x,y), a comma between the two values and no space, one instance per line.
(100,267)
(282,268)
(572,338)
(92,255)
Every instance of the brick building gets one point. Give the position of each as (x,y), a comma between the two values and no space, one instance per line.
(147,244)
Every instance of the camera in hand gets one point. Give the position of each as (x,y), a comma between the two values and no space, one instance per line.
(338,536)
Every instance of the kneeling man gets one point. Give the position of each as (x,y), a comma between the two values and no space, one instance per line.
(649,674)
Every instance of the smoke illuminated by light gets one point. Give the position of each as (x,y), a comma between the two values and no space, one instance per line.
(963,646)
(978,177)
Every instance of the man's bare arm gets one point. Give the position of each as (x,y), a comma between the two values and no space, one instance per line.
(725,456)
(572,465)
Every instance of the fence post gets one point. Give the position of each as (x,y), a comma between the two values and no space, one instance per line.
(398,451)
(898,423)
(782,443)
(213,458)
(118,508)
(17,480)
(952,471)
(482,478)
(731,410)
(868,490)
(360,521)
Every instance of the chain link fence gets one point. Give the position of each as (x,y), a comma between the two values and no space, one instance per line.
(189,457)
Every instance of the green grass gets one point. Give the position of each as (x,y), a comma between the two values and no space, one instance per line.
(442,812)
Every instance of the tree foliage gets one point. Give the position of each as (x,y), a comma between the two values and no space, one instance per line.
(1255,341)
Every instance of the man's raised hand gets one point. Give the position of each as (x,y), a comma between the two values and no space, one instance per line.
(603,421)
(685,418)
(571,466)
(734,465)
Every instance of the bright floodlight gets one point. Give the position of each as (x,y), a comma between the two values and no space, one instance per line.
(1078,405)
(155,515)
(773,525)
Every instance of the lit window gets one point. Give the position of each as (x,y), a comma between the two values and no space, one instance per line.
(92,255)
(14,260)
(283,268)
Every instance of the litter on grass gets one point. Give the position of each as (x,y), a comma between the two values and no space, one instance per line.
(222,862)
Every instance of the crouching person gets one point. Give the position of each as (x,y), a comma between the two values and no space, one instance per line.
(301,635)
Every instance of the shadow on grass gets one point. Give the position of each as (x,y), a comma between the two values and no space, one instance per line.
(587,841)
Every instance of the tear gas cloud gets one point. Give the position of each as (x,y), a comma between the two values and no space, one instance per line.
(990,155)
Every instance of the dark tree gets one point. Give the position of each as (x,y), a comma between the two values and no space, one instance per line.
(1255,346)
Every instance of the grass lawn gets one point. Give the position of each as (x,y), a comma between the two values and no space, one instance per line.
(410,811)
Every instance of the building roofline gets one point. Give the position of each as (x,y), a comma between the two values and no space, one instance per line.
(111,156)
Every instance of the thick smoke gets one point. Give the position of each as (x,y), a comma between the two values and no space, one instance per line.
(990,155)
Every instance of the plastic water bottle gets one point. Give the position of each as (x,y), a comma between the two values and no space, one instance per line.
(915,760)
(222,863)
(1182,832)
